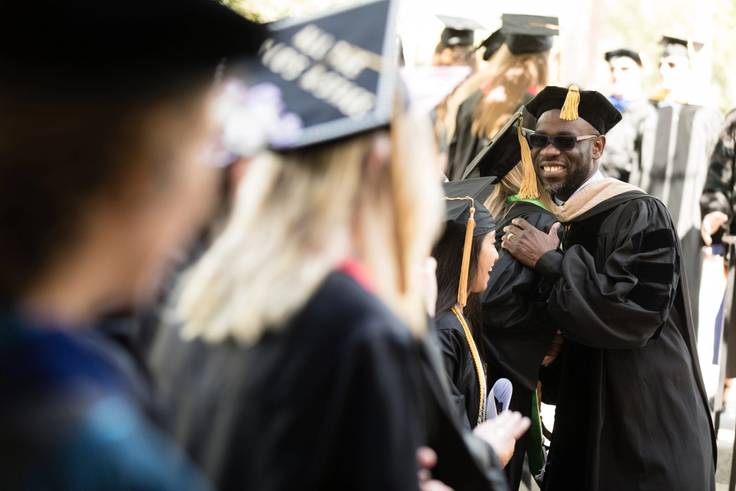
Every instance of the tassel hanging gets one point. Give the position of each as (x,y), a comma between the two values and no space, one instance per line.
(529,188)
(569,110)
(462,291)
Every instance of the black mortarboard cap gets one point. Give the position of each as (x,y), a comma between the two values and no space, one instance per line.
(458,31)
(492,44)
(507,149)
(458,209)
(501,154)
(336,73)
(92,45)
(623,53)
(673,46)
(529,33)
(592,106)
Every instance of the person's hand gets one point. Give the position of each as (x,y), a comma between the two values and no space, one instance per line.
(527,243)
(426,459)
(502,432)
(711,223)
(554,350)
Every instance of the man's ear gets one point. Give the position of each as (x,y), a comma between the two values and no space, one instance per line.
(598,145)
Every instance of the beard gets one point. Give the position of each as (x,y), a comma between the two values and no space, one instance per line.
(563,190)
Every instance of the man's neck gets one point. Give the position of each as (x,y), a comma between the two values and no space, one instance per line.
(594,177)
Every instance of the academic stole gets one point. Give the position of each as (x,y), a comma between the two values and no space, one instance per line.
(477,362)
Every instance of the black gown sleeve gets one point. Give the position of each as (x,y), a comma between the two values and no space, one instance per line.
(514,321)
(618,300)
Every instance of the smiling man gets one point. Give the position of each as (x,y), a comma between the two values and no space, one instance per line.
(631,409)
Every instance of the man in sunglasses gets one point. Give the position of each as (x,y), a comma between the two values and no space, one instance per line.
(631,409)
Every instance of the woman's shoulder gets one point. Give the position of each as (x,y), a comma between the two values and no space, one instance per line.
(344,309)
(531,212)
(448,322)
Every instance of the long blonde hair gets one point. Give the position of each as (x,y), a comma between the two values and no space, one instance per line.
(293,223)
(497,202)
(504,92)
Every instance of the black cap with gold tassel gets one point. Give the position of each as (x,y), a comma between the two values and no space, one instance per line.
(573,103)
(508,149)
(465,208)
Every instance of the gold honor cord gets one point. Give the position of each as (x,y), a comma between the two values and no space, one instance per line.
(476,361)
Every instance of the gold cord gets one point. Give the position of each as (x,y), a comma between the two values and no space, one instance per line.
(479,371)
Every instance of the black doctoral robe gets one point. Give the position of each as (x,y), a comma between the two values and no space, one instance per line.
(459,366)
(331,401)
(515,325)
(631,409)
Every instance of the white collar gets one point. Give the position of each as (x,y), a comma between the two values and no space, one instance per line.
(596,177)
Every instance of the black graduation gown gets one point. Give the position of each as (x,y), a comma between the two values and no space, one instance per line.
(631,409)
(464,144)
(331,401)
(515,325)
(464,461)
(460,369)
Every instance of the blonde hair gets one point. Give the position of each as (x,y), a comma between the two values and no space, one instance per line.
(293,222)
(497,202)
(513,77)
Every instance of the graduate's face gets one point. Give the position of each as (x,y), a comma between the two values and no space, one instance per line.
(564,171)
(487,257)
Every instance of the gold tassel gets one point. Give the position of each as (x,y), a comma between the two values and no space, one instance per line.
(462,291)
(528,188)
(569,110)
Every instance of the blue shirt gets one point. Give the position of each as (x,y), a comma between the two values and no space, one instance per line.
(68,422)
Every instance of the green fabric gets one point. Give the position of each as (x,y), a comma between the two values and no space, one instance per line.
(535,451)
(515,199)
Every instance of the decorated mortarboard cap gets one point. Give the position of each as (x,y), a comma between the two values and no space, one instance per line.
(465,209)
(673,46)
(529,33)
(507,149)
(88,45)
(574,103)
(336,74)
(622,53)
(458,31)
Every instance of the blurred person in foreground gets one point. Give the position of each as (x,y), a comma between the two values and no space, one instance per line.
(299,335)
(677,142)
(105,151)
(520,334)
(623,142)
(519,69)
(631,408)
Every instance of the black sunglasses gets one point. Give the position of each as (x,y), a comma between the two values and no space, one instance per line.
(561,142)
